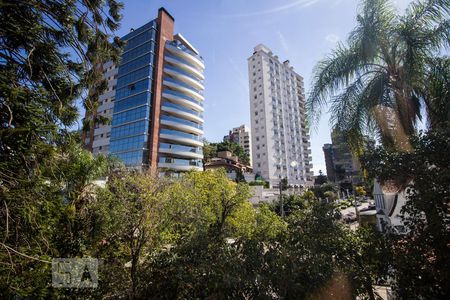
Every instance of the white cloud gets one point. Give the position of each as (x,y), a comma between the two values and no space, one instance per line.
(283,41)
(400,5)
(332,38)
(277,9)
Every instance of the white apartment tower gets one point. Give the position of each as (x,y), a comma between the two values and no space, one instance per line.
(241,135)
(280,140)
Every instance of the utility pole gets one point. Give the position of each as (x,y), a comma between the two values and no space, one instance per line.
(356,206)
(354,202)
(281,199)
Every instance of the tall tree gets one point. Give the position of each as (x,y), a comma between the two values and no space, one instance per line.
(50,56)
(378,80)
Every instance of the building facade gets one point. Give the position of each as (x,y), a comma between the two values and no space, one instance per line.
(280,139)
(154,101)
(389,201)
(342,165)
(242,136)
(234,168)
(328,153)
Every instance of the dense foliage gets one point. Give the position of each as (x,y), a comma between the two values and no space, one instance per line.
(320,179)
(198,236)
(421,262)
(50,51)
(211,149)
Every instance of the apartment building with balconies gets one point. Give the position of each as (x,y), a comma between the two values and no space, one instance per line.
(280,139)
(242,136)
(154,101)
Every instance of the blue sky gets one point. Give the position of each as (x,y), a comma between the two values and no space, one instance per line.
(225,32)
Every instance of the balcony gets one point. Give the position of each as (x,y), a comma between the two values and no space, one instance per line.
(179,137)
(180,63)
(182,99)
(183,88)
(181,124)
(187,55)
(178,112)
(172,150)
(184,77)
(179,164)
(175,167)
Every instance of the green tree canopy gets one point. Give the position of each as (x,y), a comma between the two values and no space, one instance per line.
(421,260)
(212,148)
(50,56)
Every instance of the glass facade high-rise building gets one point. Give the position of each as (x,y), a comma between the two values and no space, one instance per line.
(133,100)
(155,101)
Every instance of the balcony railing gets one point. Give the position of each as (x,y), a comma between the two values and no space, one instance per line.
(181,162)
(180,148)
(183,63)
(182,84)
(180,47)
(181,121)
(183,109)
(181,95)
(181,134)
(182,72)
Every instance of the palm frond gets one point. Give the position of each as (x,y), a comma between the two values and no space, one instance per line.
(352,111)
(379,79)
(330,75)
(435,92)
(423,30)
(376,20)
(427,12)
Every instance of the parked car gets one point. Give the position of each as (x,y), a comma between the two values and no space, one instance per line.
(370,207)
(349,217)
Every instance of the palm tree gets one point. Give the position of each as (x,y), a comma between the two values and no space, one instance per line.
(437,93)
(378,81)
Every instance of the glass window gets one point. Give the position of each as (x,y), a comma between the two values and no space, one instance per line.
(136,63)
(136,100)
(181,83)
(182,108)
(140,39)
(181,121)
(131,158)
(180,148)
(183,61)
(138,51)
(131,143)
(140,127)
(183,96)
(145,72)
(135,88)
(182,162)
(131,115)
